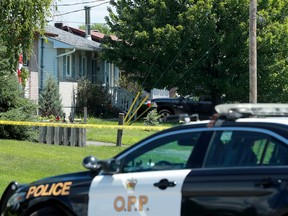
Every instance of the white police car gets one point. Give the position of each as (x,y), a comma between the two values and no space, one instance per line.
(235,164)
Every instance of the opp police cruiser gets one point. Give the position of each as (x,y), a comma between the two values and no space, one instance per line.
(236,164)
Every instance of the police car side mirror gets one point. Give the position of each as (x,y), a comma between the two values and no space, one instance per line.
(91,163)
(110,166)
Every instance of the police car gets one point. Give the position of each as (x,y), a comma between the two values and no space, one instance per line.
(235,164)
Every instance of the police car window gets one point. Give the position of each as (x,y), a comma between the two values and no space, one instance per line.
(236,148)
(167,153)
(276,154)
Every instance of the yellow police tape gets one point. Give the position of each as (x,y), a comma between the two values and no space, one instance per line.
(72,125)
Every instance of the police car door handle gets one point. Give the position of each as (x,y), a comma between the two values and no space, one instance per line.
(268,182)
(164,183)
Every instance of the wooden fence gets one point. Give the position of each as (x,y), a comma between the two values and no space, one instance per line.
(63,136)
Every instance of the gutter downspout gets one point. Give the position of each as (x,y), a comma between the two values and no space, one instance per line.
(41,63)
(67,53)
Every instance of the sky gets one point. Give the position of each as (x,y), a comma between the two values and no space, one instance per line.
(72,13)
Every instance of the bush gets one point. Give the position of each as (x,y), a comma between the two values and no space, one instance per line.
(95,97)
(152,118)
(14,107)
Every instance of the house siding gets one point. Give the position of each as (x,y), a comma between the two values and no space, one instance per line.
(33,87)
(60,66)
(48,63)
(68,91)
(33,61)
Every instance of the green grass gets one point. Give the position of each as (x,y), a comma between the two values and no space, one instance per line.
(27,161)
(110,135)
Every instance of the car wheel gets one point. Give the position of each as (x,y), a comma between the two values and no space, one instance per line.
(164,114)
(48,211)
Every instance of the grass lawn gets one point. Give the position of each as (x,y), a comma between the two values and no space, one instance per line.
(27,161)
(110,135)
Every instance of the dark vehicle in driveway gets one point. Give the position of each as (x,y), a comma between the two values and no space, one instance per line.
(236,164)
(168,107)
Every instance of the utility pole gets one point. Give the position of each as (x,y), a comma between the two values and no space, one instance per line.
(253,52)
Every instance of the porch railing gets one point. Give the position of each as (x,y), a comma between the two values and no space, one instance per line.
(122,99)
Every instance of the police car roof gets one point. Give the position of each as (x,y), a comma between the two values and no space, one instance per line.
(248,112)
(259,109)
(281,120)
(260,112)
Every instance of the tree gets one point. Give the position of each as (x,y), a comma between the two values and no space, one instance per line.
(273,51)
(50,102)
(13,106)
(20,20)
(200,47)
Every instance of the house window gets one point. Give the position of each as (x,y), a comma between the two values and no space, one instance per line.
(68,68)
(84,66)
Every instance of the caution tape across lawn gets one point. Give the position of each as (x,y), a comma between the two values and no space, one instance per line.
(72,125)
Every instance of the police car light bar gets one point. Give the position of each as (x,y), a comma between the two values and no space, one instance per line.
(258,109)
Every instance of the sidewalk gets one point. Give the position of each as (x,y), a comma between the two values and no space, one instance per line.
(96,143)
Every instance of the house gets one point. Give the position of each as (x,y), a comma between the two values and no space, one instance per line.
(67,57)
(94,34)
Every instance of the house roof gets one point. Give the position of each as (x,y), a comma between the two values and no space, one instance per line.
(65,39)
(95,35)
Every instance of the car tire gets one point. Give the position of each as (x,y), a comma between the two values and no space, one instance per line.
(48,211)
(164,114)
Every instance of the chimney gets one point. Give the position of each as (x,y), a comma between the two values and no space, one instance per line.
(58,25)
(87,23)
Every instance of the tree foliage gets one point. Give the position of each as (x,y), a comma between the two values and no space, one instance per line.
(20,19)
(12,105)
(50,102)
(200,46)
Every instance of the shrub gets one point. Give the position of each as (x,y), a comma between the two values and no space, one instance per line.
(95,97)
(152,118)
(14,107)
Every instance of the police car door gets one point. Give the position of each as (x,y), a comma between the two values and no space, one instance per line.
(150,181)
(243,174)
